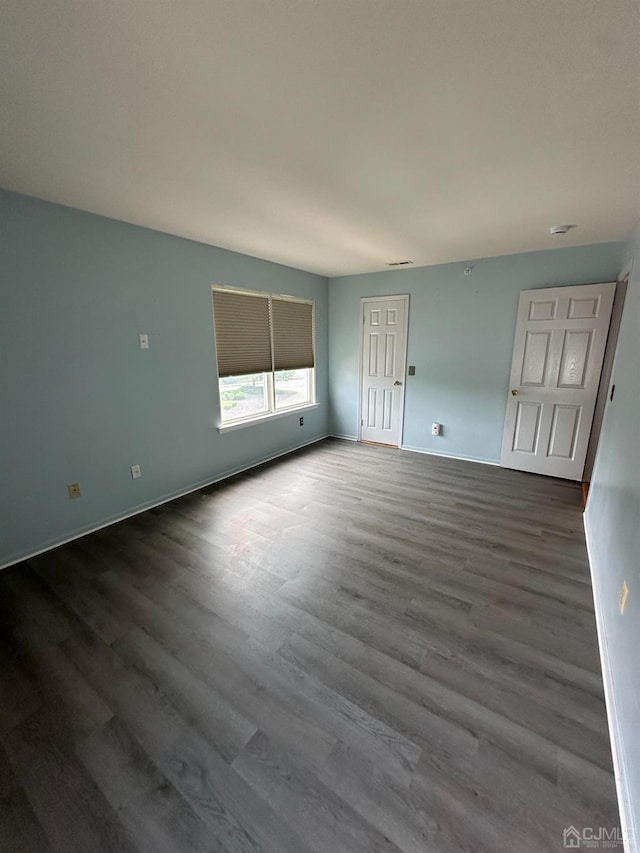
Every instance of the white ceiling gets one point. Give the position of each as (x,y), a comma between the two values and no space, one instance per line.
(330,135)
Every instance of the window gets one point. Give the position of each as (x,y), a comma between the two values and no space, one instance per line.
(265,351)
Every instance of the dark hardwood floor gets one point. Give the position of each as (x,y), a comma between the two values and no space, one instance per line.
(350,650)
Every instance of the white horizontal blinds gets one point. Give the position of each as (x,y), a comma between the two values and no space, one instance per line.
(292,324)
(243,338)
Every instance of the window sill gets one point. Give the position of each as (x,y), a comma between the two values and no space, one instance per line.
(272,416)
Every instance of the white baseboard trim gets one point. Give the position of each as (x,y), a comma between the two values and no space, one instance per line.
(426,452)
(78,534)
(449,455)
(624,795)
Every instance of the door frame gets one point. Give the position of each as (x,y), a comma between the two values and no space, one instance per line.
(622,284)
(363,300)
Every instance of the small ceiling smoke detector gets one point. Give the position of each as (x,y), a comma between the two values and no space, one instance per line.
(399,263)
(560,229)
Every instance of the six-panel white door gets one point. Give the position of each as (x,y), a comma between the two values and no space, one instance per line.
(561,334)
(384,350)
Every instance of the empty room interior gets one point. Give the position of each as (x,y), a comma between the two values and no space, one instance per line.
(319,426)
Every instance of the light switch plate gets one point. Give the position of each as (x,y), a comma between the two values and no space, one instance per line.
(144,341)
(136,472)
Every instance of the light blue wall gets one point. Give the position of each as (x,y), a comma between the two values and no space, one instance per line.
(612,520)
(80,402)
(461,332)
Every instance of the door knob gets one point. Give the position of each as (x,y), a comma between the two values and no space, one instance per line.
(397,382)
(514,392)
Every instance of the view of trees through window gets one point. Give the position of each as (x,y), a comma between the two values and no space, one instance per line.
(250,396)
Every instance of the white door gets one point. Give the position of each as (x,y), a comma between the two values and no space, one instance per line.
(382,372)
(561,333)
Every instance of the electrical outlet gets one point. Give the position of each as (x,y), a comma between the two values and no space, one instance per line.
(622,599)
(144,341)
(436,428)
(136,472)
(74,490)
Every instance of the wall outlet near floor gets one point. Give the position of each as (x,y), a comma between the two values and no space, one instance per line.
(622,598)
(136,472)
(436,428)
(74,490)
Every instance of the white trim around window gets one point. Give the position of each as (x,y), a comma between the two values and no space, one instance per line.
(262,395)
(271,416)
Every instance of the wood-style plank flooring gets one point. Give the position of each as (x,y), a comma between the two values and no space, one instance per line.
(349,650)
